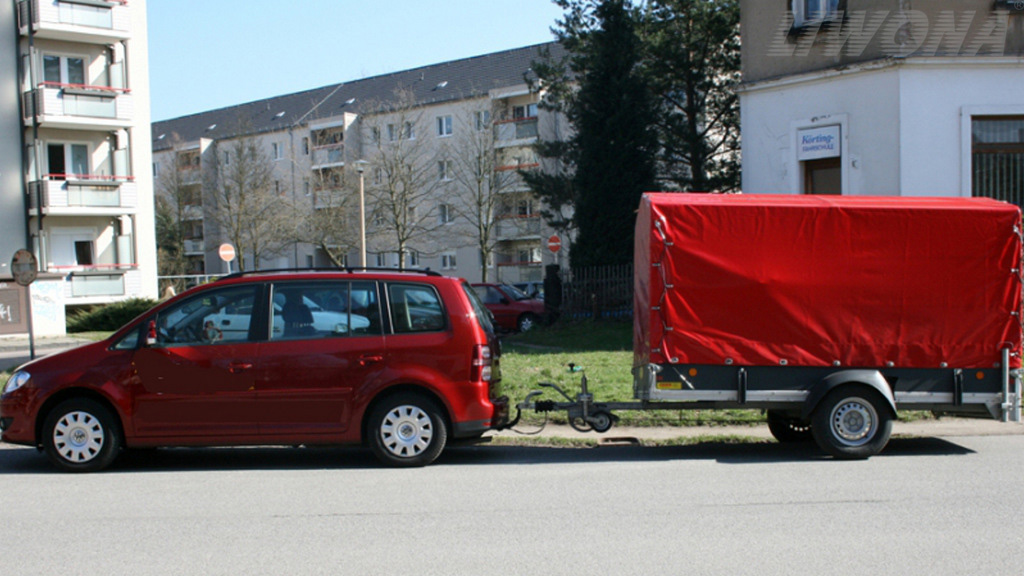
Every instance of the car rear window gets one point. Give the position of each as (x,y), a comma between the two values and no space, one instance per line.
(482,313)
(415,308)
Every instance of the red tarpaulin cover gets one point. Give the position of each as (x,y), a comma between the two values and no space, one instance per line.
(764,280)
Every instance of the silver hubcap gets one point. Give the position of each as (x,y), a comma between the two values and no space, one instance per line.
(406,431)
(78,437)
(853,422)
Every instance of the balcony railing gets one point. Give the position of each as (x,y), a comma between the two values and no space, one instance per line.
(84,193)
(195,246)
(329,155)
(517,227)
(76,20)
(512,130)
(76,105)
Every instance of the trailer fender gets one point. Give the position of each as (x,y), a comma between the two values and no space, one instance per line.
(870,378)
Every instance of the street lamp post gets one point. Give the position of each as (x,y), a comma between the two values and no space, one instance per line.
(360,167)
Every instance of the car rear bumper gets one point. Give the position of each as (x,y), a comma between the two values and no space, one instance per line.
(498,420)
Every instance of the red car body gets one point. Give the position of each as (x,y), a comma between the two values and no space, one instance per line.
(513,310)
(257,385)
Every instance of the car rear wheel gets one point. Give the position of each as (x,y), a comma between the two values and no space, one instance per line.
(81,435)
(407,430)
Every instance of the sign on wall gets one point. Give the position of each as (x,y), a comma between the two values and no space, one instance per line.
(12,307)
(817,143)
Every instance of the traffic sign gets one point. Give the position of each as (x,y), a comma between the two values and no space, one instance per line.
(227,252)
(554,243)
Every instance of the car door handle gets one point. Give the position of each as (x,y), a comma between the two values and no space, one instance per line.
(370,359)
(239,367)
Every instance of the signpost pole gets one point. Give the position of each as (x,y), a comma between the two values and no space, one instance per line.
(25,268)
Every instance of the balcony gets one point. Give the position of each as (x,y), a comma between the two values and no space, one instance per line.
(89,21)
(84,195)
(517,132)
(328,156)
(518,228)
(80,107)
(195,246)
(101,283)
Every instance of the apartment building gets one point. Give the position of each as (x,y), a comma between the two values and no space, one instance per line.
(883,97)
(75,185)
(437,151)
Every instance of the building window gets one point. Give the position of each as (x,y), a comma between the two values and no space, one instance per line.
(382,259)
(227,158)
(305,145)
(409,131)
(445,214)
(524,112)
(378,175)
(997,158)
(524,208)
(808,11)
(412,258)
(448,261)
(824,176)
(444,170)
(392,132)
(444,125)
(275,151)
(529,255)
(482,120)
(64,70)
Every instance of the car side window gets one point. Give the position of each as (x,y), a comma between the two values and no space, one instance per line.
(324,309)
(415,308)
(213,317)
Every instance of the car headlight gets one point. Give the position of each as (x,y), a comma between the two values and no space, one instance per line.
(17,380)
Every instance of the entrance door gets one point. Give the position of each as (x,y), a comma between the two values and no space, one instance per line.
(823,176)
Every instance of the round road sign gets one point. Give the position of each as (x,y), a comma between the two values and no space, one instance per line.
(227,252)
(554,243)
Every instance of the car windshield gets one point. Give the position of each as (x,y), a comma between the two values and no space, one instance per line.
(514,292)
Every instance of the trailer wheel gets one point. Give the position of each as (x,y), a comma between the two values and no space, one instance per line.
(852,422)
(601,421)
(788,429)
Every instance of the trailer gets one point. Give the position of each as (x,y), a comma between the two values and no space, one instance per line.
(830,313)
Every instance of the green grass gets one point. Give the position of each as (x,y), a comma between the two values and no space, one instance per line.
(604,350)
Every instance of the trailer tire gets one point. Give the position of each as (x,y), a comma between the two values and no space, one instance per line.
(789,429)
(852,423)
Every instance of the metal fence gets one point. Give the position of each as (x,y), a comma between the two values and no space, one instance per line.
(599,292)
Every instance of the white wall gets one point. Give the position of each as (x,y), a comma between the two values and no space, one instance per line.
(865,103)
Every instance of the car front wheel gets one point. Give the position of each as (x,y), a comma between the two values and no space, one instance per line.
(407,430)
(81,435)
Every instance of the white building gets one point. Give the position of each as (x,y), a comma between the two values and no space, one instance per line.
(436,120)
(75,183)
(883,97)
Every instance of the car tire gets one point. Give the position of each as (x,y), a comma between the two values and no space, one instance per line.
(527,322)
(81,435)
(407,430)
(852,423)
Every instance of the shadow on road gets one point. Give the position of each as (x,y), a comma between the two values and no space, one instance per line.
(29,461)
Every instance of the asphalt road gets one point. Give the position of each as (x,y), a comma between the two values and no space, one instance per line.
(930,506)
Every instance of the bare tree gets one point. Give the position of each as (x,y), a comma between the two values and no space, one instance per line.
(405,173)
(178,199)
(476,198)
(251,210)
(331,225)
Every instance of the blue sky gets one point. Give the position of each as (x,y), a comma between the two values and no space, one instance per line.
(208,54)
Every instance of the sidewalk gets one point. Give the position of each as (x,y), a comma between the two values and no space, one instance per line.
(50,343)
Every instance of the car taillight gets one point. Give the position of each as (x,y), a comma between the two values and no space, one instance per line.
(481,363)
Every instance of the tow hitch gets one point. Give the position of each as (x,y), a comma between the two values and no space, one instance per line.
(583,413)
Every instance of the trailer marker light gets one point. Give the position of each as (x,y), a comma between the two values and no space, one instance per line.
(979,375)
(693,372)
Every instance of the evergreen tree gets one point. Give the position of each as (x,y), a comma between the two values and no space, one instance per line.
(610,159)
(693,65)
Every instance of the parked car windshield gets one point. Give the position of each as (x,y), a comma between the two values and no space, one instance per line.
(514,293)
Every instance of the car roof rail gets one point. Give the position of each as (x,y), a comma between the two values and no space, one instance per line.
(425,271)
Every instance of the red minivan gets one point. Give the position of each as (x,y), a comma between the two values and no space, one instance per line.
(402,362)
